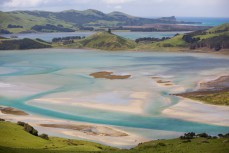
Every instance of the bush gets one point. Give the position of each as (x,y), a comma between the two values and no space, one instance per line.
(30,129)
(44,136)
(14,26)
(2,120)
(49,27)
(203,135)
(189,135)
(161,144)
(21,123)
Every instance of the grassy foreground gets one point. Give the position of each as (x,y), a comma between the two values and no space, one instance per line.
(15,140)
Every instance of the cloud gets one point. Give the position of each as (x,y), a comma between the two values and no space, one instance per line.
(117,1)
(118,7)
(22,3)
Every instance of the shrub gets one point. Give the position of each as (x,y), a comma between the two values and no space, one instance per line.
(21,123)
(44,136)
(203,135)
(30,129)
(161,144)
(2,120)
(189,135)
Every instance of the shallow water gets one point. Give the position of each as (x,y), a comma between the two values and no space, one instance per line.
(63,74)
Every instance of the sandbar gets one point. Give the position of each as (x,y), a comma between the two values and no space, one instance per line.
(13,111)
(109,75)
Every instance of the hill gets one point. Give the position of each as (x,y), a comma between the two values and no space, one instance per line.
(215,38)
(15,140)
(104,41)
(71,20)
(20,44)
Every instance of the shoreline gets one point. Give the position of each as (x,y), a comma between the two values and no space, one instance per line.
(104,134)
(195,110)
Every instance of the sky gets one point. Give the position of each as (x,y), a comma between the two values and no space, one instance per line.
(142,8)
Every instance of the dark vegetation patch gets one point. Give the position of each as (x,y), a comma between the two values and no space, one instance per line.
(14,26)
(51,28)
(28,128)
(22,44)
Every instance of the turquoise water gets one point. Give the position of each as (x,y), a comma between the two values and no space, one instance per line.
(205,21)
(26,76)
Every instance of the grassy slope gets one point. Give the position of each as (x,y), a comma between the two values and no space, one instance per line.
(174,42)
(178,42)
(105,41)
(27,21)
(178,146)
(15,44)
(216,97)
(15,139)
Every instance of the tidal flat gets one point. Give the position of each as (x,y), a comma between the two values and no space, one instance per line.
(55,86)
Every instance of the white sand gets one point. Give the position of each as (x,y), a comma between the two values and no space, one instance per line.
(195,111)
(113,139)
(135,105)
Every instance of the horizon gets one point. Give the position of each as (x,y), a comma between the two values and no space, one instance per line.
(150,8)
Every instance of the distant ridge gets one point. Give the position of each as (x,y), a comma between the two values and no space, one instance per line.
(74,20)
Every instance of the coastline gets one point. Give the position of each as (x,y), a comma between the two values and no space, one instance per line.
(103,134)
(199,111)
(196,111)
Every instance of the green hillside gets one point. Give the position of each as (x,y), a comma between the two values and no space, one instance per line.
(216,38)
(20,44)
(72,19)
(15,140)
(104,41)
(27,20)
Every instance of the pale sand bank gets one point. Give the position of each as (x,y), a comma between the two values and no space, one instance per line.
(195,111)
(108,135)
(135,105)
(89,129)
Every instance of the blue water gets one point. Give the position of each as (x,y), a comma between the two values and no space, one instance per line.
(205,21)
(65,73)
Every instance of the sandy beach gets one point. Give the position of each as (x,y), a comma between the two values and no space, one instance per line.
(108,135)
(197,111)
